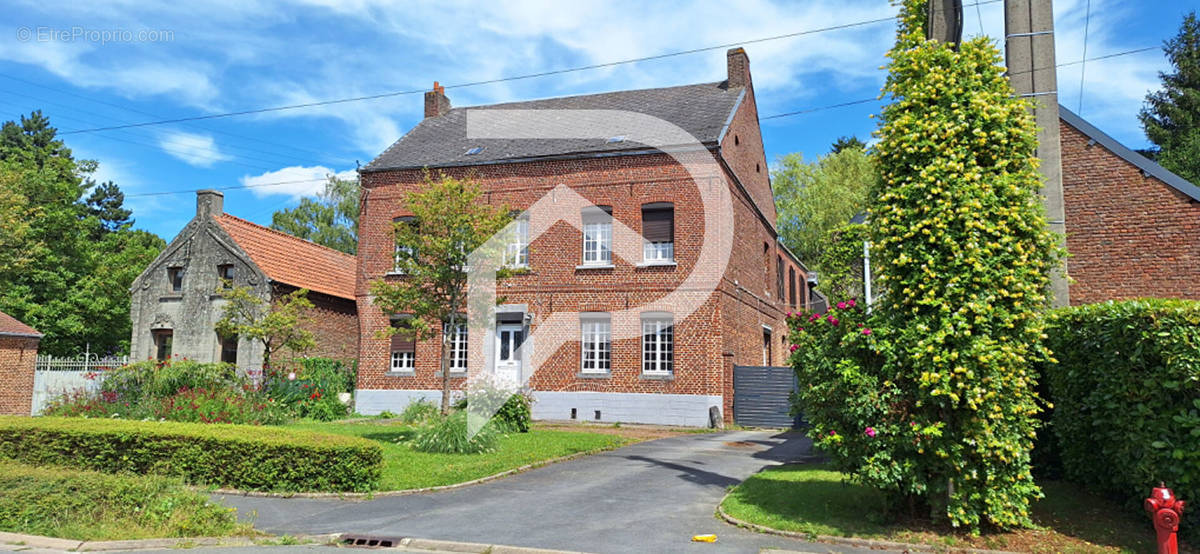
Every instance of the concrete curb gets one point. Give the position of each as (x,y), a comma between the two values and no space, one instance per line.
(405,492)
(845,541)
(431,545)
(71,545)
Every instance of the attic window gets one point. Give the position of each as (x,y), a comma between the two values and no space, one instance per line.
(618,138)
(474,150)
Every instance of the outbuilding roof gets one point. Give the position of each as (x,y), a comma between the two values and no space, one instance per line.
(11,327)
(292,260)
(703,110)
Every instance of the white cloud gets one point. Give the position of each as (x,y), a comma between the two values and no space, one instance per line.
(195,149)
(295,181)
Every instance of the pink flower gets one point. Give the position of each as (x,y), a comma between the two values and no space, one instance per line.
(832,320)
(866,331)
(789,314)
(832,433)
(292,376)
(813,317)
(870,431)
(800,328)
(851,303)
(841,305)
(794,347)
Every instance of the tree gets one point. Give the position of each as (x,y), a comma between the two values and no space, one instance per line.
(964,256)
(63,269)
(450,221)
(1171,116)
(814,198)
(276,324)
(330,220)
(843,143)
(930,396)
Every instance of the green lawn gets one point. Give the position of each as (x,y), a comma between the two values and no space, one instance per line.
(814,500)
(405,468)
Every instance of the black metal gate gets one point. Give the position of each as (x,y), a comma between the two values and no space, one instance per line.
(761,396)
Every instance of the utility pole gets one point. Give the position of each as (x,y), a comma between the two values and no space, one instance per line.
(944,21)
(1029,51)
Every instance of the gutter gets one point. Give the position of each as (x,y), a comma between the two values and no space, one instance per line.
(22,335)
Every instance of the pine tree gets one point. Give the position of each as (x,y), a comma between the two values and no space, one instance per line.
(1171,116)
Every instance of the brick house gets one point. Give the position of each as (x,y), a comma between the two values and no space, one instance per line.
(18,354)
(175,303)
(1133,228)
(679,368)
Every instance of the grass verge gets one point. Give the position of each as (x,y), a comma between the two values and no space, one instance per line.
(406,468)
(88,505)
(814,500)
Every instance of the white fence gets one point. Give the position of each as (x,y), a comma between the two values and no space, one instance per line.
(54,377)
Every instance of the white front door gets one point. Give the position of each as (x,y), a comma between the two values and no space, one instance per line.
(509,338)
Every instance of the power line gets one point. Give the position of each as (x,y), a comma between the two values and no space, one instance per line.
(1087,21)
(497,80)
(236,187)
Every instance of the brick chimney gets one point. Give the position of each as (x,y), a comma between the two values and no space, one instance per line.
(436,102)
(739,68)
(210,203)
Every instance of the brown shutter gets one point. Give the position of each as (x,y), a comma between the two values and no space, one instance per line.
(403,340)
(658,224)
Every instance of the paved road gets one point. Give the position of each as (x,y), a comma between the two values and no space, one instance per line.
(648,497)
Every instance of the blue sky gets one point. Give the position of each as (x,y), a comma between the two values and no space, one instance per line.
(183,59)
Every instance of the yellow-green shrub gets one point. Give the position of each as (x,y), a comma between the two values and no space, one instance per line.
(237,456)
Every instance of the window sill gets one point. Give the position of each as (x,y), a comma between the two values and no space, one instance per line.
(605,375)
(594,266)
(662,263)
(395,273)
(453,374)
(170,297)
(400,374)
(657,376)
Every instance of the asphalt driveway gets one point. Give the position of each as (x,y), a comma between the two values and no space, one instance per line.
(648,497)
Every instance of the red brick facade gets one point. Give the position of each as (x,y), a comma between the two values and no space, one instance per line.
(727,329)
(1129,234)
(333,322)
(18,353)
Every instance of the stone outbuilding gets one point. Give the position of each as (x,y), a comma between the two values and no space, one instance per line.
(175,301)
(18,354)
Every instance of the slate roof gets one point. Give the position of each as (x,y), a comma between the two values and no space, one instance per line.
(704,110)
(1147,166)
(9,326)
(292,260)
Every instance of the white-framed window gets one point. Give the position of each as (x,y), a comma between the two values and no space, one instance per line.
(403,346)
(658,343)
(595,337)
(400,253)
(597,235)
(516,252)
(458,346)
(658,232)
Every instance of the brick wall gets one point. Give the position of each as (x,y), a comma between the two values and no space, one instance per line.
(17,357)
(333,323)
(1129,235)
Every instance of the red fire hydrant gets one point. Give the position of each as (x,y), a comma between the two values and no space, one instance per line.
(1165,510)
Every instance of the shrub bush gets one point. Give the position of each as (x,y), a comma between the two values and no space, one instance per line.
(1126,398)
(219,406)
(419,411)
(515,414)
(237,456)
(154,379)
(88,505)
(311,390)
(448,435)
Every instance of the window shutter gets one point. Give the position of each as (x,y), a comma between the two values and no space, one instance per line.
(403,340)
(658,224)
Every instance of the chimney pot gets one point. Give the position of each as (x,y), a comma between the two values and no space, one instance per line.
(436,102)
(739,67)
(210,203)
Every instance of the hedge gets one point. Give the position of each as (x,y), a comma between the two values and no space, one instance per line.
(235,456)
(1126,398)
(89,505)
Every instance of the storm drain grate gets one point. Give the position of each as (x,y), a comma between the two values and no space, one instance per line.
(367,541)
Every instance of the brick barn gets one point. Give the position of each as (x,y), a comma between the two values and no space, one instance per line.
(1133,227)
(18,355)
(679,368)
(175,304)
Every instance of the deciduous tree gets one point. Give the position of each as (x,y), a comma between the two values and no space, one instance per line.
(276,324)
(814,198)
(330,219)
